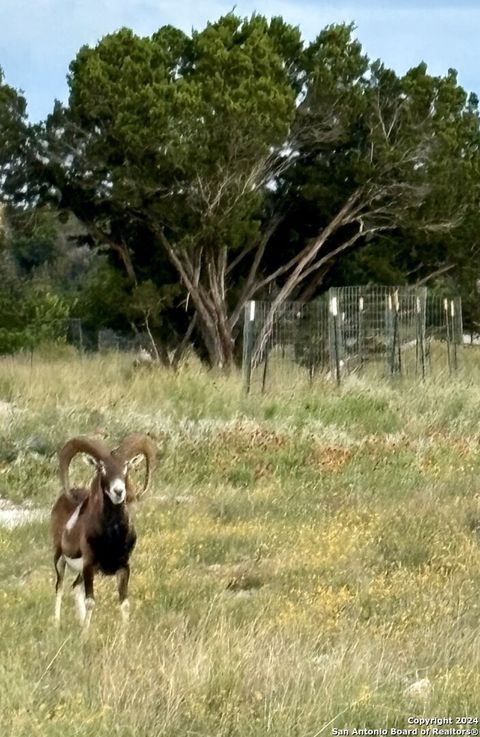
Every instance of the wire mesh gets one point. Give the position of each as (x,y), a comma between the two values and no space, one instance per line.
(377,330)
(110,340)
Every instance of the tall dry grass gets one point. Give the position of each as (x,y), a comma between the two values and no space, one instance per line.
(303,558)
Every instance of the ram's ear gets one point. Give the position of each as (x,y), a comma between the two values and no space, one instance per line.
(91,461)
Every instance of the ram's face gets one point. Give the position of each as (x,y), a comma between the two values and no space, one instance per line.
(116,490)
(113,473)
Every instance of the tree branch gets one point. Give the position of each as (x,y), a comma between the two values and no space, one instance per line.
(442,270)
(250,287)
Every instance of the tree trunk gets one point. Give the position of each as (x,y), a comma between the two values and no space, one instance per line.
(216,335)
(209,302)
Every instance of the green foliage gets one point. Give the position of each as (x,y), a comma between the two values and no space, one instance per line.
(30,314)
(34,301)
(103,299)
(147,300)
(187,115)
(182,154)
(13,126)
(31,239)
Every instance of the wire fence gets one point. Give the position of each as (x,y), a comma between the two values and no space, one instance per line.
(375,330)
(104,340)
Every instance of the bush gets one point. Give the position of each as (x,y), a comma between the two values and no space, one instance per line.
(31,314)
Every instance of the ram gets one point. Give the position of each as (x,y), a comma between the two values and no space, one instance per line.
(91,527)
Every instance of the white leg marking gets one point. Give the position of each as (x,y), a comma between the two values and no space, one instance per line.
(125,609)
(90,604)
(58,604)
(79,595)
(60,566)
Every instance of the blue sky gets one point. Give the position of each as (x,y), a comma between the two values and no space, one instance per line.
(38,38)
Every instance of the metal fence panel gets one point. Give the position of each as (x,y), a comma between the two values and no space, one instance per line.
(377,330)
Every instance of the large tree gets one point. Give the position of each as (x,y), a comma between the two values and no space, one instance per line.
(172,141)
(235,160)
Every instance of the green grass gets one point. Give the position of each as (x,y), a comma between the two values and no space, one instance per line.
(302,559)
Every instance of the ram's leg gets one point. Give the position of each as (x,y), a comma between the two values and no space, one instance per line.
(79,594)
(123,574)
(88,574)
(59,563)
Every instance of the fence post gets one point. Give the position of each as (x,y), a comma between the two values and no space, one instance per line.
(361,341)
(333,305)
(454,336)
(459,322)
(399,336)
(447,323)
(396,347)
(421,332)
(73,328)
(248,333)
(392,332)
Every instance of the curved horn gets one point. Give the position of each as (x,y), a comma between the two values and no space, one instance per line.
(94,447)
(138,444)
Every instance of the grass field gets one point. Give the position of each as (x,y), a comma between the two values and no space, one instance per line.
(303,557)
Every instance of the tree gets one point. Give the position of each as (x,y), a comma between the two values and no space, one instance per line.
(175,138)
(405,160)
(236,160)
(13,128)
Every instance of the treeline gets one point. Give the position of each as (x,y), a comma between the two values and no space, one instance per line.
(190,173)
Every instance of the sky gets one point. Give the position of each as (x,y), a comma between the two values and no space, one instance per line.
(39,38)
